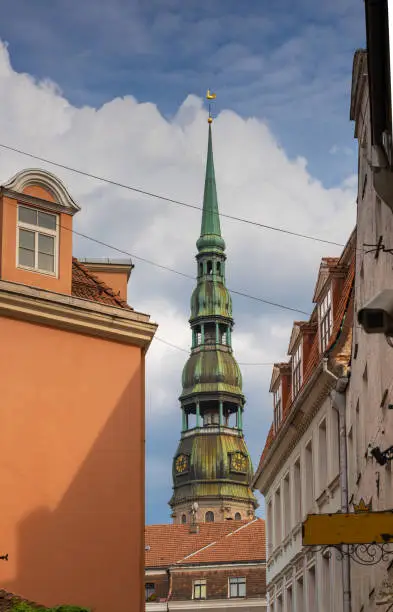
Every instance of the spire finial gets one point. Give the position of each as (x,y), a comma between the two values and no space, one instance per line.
(210,96)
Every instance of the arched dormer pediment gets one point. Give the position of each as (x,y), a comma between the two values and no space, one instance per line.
(47,184)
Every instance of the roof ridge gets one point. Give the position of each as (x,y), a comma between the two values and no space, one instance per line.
(241,527)
(198,551)
(100,283)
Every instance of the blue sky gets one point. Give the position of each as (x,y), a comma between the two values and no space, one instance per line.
(288,64)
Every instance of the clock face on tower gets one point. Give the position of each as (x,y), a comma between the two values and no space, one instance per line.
(238,462)
(181,464)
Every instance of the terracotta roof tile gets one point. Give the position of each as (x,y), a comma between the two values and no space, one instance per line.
(8,601)
(88,286)
(224,541)
(341,354)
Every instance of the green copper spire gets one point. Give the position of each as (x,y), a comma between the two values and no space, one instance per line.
(212,465)
(210,228)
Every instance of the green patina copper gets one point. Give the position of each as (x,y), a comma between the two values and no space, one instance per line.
(211,298)
(212,381)
(210,371)
(210,238)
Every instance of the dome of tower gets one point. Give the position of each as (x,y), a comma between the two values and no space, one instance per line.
(209,371)
(210,470)
(208,243)
(211,298)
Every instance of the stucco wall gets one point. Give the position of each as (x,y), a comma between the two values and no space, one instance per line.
(290,567)
(369,422)
(72,469)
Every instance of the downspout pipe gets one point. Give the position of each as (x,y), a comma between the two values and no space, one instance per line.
(168,571)
(339,403)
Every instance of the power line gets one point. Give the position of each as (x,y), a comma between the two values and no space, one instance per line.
(183,274)
(167,199)
(169,269)
(179,348)
(173,270)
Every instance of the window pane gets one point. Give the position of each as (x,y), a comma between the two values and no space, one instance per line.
(26,258)
(242,590)
(203,591)
(46,262)
(233,590)
(47,220)
(46,244)
(26,239)
(27,215)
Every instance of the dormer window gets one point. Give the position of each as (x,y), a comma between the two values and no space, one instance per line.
(325,320)
(297,377)
(37,240)
(277,401)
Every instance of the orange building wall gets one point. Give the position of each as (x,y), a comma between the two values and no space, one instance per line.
(115,280)
(72,468)
(8,269)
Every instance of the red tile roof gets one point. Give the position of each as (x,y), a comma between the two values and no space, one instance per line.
(345,305)
(88,286)
(9,600)
(221,542)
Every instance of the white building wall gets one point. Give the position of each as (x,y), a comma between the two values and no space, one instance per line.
(298,580)
(369,418)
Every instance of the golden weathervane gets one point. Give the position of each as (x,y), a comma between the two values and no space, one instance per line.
(210,96)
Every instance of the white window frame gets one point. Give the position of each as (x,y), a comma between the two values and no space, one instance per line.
(237,584)
(277,405)
(325,313)
(199,584)
(37,229)
(297,373)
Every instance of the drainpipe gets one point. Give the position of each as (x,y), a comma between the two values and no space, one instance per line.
(339,401)
(169,588)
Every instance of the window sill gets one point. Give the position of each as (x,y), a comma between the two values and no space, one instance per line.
(37,271)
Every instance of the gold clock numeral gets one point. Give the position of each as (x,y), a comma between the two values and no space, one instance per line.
(181,463)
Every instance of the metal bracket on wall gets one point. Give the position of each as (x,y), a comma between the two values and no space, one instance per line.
(363,554)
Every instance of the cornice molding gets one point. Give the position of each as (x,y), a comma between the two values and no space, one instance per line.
(297,422)
(75,314)
(46,180)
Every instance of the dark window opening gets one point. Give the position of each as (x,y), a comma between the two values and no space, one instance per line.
(218,267)
(209,267)
(238,516)
(183,519)
(150,591)
(209,517)
(201,269)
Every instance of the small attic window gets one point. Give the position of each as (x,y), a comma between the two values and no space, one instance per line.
(297,373)
(37,240)
(325,320)
(277,402)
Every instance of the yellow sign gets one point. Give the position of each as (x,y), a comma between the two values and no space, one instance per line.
(362,528)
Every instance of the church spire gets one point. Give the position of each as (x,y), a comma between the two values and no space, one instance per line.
(212,467)
(210,216)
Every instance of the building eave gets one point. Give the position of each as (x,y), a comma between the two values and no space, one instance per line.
(309,398)
(48,308)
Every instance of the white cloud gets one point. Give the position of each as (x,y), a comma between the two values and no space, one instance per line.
(134,144)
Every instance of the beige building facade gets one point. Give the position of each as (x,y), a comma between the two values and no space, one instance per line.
(299,470)
(369,418)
